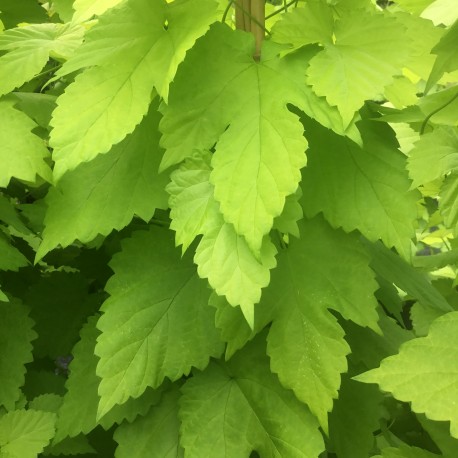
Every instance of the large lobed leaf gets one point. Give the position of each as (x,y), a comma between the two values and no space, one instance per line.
(362,51)
(132,50)
(259,144)
(104,195)
(235,407)
(324,269)
(425,372)
(364,188)
(157,322)
(29,49)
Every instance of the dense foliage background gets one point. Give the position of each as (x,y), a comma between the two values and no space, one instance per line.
(213,249)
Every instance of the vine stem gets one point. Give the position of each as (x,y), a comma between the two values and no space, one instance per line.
(283,8)
(425,122)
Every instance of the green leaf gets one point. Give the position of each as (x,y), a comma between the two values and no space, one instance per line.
(92,199)
(130,51)
(16,335)
(39,107)
(434,155)
(3,297)
(78,413)
(448,203)
(12,13)
(405,451)
(22,153)
(157,322)
(422,317)
(232,270)
(360,188)
(367,51)
(259,143)
(441,107)
(441,12)
(291,28)
(235,407)
(30,48)
(10,257)
(440,433)
(447,57)
(291,214)
(193,209)
(156,434)
(71,446)
(424,372)
(354,419)
(395,270)
(25,433)
(222,256)
(235,330)
(305,342)
(52,300)
(10,216)
(85,9)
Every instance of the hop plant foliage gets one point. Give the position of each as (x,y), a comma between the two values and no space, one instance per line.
(227,229)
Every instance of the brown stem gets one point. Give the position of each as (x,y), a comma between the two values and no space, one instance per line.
(250,17)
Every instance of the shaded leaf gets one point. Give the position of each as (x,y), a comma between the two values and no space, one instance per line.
(157,322)
(236,407)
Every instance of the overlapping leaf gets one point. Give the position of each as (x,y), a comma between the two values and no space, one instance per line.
(222,256)
(16,335)
(25,433)
(13,13)
(424,372)
(29,49)
(362,51)
(78,413)
(354,418)
(157,322)
(156,434)
(259,144)
(361,188)
(131,50)
(324,269)
(434,155)
(85,9)
(22,154)
(93,199)
(10,257)
(233,408)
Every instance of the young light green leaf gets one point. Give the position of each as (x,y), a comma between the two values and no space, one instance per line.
(222,256)
(239,406)
(29,49)
(305,343)
(320,25)
(85,9)
(157,322)
(15,350)
(22,154)
(447,57)
(424,372)
(193,209)
(367,51)
(232,270)
(105,194)
(259,156)
(25,433)
(132,50)
(78,413)
(434,155)
(361,188)
(156,434)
